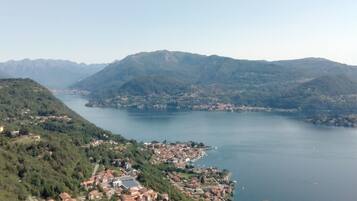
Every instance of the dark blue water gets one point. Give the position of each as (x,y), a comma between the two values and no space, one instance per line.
(272,157)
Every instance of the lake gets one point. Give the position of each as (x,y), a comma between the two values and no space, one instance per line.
(273,158)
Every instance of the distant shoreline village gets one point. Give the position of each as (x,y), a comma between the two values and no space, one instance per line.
(175,160)
(197,182)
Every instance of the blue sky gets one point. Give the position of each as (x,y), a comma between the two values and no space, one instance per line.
(102,31)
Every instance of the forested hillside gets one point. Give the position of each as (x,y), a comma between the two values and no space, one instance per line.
(44,146)
(164,80)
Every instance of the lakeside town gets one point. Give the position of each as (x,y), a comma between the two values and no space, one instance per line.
(178,154)
(184,102)
(120,184)
(119,181)
(211,184)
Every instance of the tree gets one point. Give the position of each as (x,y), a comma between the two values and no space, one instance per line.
(24,131)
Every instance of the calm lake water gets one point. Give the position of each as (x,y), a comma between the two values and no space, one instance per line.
(273,158)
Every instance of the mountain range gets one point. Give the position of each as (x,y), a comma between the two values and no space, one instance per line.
(49,72)
(203,70)
(180,80)
(172,80)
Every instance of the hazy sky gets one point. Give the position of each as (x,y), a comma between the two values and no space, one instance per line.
(102,31)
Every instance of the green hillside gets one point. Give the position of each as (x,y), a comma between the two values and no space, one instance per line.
(203,70)
(148,85)
(334,95)
(163,80)
(50,155)
(55,163)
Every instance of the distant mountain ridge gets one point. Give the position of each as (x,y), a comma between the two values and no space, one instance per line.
(4,75)
(171,79)
(49,72)
(207,70)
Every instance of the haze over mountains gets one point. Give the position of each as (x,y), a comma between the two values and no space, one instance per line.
(49,72)
(4,75)
(185,81)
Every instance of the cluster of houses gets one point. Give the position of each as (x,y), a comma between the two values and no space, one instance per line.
(203,183)
(123,186)
(43,119)
(114,185)
(65,197)
(179,154)
(211,184)
(19,134)
(27,118)
(96,142)
(215,107)
(229,108)
(330,120)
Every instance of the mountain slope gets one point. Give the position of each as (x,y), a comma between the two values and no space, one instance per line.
(45,147)
(331,85)
(4,75)
(332,95)
(309,86)
(206,70)
(48,166)
(190,69)
(50,73)
(182,66)
(315,67)
(147,85)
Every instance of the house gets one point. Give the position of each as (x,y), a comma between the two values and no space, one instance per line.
(116,182)
(66,197)
(126,182)
(95,195)
(165,197)
(116,162)
(36,138)
(148,194)
(88,184)
(127,166)
(124,197)
(14,133)
(109,192)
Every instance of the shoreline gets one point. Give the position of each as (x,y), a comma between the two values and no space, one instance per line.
(193,180)
(325,120)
